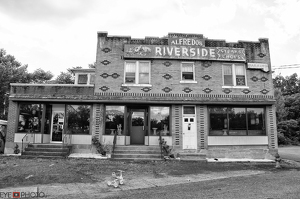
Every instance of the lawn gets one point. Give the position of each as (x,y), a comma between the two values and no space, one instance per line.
(16,171)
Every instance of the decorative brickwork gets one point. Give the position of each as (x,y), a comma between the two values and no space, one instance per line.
(167,76)
(187,90)
(105,62)
(254,78)
(104,88)
(202,126)
(271,125)
(177,124)
(167,89)
(99,120)
(246,91)
(227,90)
(106,50)
(146,89)
(206,77)
(264,79)
(264,91)
(167,63)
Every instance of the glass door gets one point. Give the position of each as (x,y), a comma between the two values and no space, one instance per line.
(57,126)
(138,127)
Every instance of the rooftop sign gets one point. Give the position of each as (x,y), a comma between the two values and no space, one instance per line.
(186,42)
(184,52)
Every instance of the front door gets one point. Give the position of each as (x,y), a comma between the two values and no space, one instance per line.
(57,126)
(137,127)
(189,128)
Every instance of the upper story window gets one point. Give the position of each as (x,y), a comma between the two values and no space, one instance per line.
(82,79)
(85,79)
(137,72)
(187,72)
(234,75)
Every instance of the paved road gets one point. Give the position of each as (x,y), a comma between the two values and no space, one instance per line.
(290,153)
(274,185)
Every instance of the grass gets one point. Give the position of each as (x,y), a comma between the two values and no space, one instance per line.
(16,171)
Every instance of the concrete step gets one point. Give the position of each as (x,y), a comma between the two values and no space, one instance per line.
(58,146)
(46,157)
(44,153)
(136,156)
(137,159)
(137,151)
(47,149)
(137,147)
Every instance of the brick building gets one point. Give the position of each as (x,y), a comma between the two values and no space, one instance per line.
(205,97)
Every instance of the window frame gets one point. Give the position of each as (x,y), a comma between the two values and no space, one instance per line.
(88,81)
(66,122)
(233,69)
(264,120)
(181,73)
(137,73)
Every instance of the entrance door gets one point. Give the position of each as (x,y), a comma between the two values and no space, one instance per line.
(57,126)
(137,130)
(189,128)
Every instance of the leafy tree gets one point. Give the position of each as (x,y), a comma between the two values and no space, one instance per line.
(281,111)
(12,71)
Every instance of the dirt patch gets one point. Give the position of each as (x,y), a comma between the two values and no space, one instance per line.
(16,171)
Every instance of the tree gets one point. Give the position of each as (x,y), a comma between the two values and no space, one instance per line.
(12,71)
(281,111)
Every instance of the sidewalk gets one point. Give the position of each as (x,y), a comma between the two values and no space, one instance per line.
(101,189)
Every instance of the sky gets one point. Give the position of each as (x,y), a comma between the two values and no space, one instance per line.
(59,34)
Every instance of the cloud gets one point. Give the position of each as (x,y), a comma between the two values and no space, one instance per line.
(50,10)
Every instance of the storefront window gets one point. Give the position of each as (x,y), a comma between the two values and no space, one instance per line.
(78,119)
(159,120)
(114,120)
(30,116)
(256,121)
(236,121)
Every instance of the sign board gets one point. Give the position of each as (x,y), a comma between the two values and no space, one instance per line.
(259,66)
(184,52)
(186,42)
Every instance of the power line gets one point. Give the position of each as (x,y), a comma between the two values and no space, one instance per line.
(287,66)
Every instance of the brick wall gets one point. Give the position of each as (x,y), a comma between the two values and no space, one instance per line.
(11,127)
(110,62)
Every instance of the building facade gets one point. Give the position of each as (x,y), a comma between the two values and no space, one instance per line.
(204,96)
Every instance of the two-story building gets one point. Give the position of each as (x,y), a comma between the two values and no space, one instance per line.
(204,96)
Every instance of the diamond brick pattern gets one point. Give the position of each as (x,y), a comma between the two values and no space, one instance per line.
(264,91)
(146,89)
(207,64)
(227,90)
(261,55)
(167,63)
(105,62)
(187,90)
(246,91)
(104,88)
(125,89)
(104,75)
(167,89)
(264,79)
(167,76)
(115,75)
(254,78)
(206,77)
(207,90)
(106,50)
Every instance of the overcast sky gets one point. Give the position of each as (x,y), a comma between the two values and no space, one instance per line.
(59,34)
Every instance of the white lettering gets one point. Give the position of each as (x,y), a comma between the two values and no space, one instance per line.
(169,50)
(177,51)
(185,52)
(192,51)
(180,41)
(158,51)
(212,52)
(204,52)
